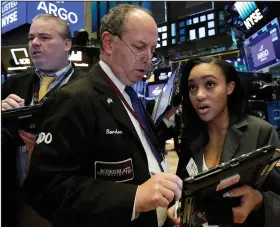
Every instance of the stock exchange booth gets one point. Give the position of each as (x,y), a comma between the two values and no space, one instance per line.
(16,59)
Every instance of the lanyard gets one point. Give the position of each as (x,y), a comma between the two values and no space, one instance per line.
(135,116)
(128,106)
(37,88)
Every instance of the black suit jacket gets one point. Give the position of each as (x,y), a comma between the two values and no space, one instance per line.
(69,180)
(22,85)
(242,137)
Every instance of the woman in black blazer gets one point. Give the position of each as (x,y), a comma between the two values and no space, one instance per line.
(217,129)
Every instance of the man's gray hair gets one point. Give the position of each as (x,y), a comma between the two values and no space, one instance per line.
(114,21)
(65,28)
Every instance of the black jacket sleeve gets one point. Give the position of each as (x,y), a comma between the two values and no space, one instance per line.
(269,214)
(60,185)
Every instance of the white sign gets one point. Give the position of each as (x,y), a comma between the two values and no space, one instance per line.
(255,17)
(20,61)
(9,13)
(76,56)
(62,13)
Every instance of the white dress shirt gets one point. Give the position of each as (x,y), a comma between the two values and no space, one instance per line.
(152,161)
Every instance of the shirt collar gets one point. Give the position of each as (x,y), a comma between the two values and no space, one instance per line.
(57,74)
(112,76)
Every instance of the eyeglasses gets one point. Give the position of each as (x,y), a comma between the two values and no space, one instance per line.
(143,57)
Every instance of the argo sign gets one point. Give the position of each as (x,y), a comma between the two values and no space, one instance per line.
(71,12)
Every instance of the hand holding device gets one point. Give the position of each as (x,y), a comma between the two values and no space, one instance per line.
(251,200)
(158,191)
(28,138)
(12,101)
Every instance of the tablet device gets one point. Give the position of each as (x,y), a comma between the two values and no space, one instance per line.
(24,118)
(244,169)
(203,194)
(20,113)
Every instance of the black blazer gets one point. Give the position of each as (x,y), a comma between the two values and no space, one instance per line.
(71,180)
(242,137)
(20,84)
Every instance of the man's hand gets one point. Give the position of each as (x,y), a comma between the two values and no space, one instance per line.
(171,216)
(171,112)
(158,191)
(28,138)
(250,201)
(12,102)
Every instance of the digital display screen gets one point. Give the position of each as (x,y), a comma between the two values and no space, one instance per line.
(165,97)
(239,64)
(154,90)
(16,58)
(263,48)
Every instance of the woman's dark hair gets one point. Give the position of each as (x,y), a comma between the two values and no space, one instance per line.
(237,101)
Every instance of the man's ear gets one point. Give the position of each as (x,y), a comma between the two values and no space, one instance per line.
(68,44)
(107,42)
(230,87)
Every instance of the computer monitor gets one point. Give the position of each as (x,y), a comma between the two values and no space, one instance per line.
(154,90)
(238,63)
(262,49)
(165,98)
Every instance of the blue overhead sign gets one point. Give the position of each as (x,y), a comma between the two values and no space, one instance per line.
(71,12)
(13,15)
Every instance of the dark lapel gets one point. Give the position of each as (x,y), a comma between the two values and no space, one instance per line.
(77,73)
(197,151)
(29,81)
(232,140)
(110,99)
(231,144)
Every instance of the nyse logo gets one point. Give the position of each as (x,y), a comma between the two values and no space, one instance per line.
(20,61)
(263,54)
(255,17)
(249,13)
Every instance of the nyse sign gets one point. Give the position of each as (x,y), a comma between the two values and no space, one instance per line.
(16,13)
(254,18)
(13,15)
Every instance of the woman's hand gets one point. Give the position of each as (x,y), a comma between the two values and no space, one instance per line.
(171,216)
(250,201)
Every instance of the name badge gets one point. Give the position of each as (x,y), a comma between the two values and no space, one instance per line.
(121,171)
(191,167)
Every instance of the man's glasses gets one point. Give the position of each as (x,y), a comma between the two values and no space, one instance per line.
(143,57)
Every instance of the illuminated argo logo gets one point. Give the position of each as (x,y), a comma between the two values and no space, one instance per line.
(249,13)
(263,53)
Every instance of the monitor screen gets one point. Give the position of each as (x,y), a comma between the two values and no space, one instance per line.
(165,97)
(263,48)
(238,63)
(154,90)
(16,59)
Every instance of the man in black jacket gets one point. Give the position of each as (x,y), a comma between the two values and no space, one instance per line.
(98,160)
(49,46)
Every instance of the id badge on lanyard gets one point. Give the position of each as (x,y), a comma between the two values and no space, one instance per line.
(45,98)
